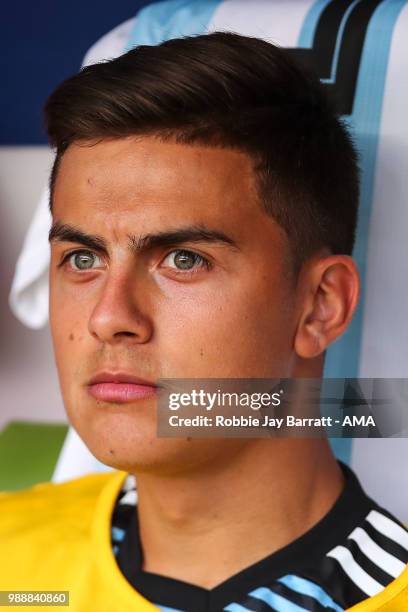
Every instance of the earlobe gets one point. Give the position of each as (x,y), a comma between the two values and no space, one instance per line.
(331,290)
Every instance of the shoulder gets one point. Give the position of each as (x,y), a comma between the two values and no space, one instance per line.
(49,533)
(394,598)
(50,508)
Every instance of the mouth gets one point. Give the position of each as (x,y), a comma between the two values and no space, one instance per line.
(120,387)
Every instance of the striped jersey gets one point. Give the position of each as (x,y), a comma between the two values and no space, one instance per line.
(350,555)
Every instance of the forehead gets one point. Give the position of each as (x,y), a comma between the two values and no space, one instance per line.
(145,172)
(137,186)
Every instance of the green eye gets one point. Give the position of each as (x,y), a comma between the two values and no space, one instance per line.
(185,260)
(84,260)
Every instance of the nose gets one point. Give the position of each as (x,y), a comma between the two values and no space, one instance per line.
(118,316)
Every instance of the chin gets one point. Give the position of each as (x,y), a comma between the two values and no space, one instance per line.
(144,453)
(129,442)
(157,456)
(124,437)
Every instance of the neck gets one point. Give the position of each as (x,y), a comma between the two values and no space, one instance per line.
(273,492)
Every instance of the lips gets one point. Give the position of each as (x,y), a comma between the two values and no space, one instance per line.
(120,387)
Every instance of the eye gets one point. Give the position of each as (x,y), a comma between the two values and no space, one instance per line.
(84,260)
(182,259)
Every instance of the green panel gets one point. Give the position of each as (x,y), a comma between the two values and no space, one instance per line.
(29,453)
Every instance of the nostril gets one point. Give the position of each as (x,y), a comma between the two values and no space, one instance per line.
(125,333)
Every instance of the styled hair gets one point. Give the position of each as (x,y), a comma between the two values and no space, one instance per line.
(230,91)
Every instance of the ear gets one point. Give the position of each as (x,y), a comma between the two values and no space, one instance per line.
(330,288)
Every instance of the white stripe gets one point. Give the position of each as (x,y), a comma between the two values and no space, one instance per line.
(110,45)
(364,581)
(130,483)
(387,484)
(130,498)
(271,21)
(376,554)
(389,528)
(387,263)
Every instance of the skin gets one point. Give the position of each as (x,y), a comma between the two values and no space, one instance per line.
(243,316)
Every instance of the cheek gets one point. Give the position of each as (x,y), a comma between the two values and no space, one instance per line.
(70,303)
(68,322)
(233,333)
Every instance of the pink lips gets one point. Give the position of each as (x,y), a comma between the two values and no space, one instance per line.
(120,387)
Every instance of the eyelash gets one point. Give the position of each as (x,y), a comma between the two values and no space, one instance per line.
(67,256)
(206,263)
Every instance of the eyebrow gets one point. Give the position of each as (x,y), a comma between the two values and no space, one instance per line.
(63,232)
(194,233)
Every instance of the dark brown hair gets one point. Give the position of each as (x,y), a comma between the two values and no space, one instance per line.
(229,91)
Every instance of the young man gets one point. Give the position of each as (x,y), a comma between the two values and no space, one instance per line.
(204,202)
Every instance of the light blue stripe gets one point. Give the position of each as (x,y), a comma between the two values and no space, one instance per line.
(307,33)
(342,448)
(166,609)
(343,357)
(234,607)
(338,43)
(118,534)
(277,602)
(306,587)
(171,19)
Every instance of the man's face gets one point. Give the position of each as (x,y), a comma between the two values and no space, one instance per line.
(214,302)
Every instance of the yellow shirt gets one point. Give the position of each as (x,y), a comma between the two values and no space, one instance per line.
(75,517)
